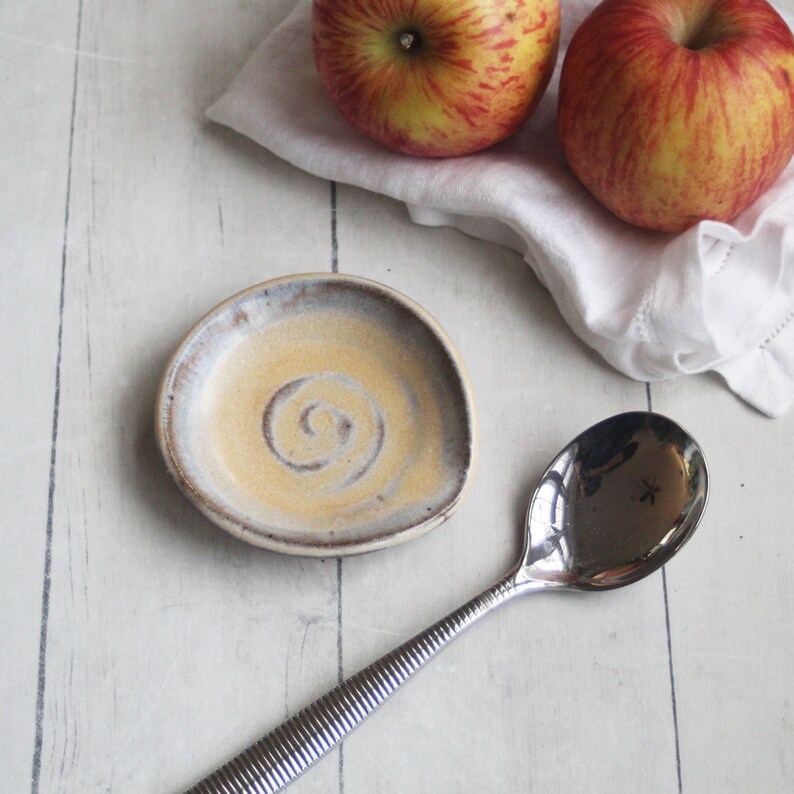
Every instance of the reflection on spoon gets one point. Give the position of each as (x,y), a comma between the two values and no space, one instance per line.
(618,502)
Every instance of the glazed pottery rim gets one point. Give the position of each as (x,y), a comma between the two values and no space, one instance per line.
(272,538)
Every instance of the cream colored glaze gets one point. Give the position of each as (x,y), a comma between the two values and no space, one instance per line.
(389,458)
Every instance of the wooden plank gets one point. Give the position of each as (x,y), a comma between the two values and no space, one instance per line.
(544,695)
(36,88)
(732,597)
(170,644)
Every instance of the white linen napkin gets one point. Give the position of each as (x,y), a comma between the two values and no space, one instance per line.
(717,297)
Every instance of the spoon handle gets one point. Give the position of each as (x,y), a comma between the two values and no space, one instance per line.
(277,759)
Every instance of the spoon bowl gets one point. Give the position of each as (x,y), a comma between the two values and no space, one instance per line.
(615,505)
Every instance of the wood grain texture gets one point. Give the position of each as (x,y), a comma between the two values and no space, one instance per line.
(150,606)
(732,597)
(522,685)
(168,646)
(37,87)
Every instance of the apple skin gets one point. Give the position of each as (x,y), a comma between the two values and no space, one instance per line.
(474,72)
(675,111)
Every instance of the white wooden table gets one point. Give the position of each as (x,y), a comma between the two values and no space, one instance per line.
(140,646)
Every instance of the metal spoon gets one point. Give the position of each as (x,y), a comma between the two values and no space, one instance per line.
(618,502)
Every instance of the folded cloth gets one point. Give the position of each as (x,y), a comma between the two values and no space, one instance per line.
(719,296)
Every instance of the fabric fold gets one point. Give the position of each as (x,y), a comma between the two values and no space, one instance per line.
(718,297)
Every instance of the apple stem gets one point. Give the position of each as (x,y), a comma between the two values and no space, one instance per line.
(407,40)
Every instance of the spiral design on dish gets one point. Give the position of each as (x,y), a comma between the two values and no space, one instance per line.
(324,421)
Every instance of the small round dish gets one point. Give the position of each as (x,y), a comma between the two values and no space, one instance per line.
(320,415)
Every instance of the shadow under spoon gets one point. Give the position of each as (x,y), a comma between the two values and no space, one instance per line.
(616,504)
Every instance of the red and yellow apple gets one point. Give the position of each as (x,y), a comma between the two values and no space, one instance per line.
(674,111)
(435,78)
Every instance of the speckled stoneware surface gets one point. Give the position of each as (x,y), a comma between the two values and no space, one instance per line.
(319,414)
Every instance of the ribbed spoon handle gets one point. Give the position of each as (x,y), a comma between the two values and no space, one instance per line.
(277,759)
